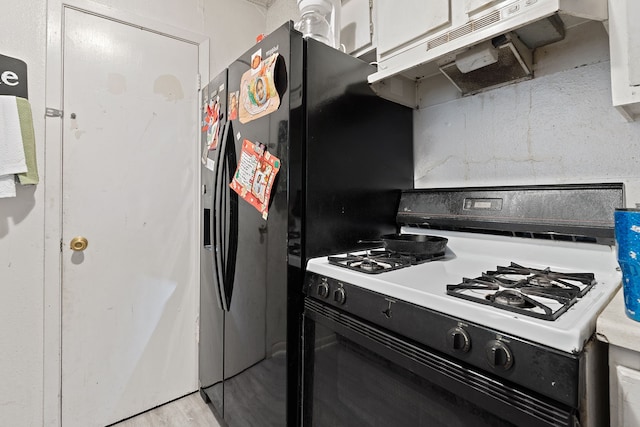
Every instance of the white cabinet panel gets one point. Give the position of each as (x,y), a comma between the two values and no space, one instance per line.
(624,44)
(623,337)
(401,21)
(473,5)
(628,397)
(633,48)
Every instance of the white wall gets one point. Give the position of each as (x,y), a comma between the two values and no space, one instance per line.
(231,25)
(281,11)
(557,128)
(23,35)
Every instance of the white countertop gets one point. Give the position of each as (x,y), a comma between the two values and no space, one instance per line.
(614,327)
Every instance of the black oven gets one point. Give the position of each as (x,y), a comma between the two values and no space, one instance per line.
(359,374)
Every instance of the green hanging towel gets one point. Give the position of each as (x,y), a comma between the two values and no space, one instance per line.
(29,142)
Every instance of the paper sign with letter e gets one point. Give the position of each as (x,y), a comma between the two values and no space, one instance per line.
(13,77)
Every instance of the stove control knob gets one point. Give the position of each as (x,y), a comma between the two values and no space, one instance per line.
(499,355)
(459,340)
(323,289)
(340,296)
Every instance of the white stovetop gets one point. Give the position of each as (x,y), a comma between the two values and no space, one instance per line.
(468,255)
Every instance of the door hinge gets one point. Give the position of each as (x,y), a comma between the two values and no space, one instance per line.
(52,112)
(61,245)
(198,82)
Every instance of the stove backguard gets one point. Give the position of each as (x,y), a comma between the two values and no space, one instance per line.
(573,212)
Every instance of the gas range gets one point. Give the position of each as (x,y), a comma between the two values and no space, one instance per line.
(508,310)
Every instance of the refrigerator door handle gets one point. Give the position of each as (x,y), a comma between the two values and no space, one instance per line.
(219,219)
(232,249)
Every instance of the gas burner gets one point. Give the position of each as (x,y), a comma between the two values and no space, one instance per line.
(510,298)
(517,276)
(371,265)
(541,281)
(544,294)
(380,260)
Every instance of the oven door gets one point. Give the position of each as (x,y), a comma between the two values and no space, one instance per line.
(357,374)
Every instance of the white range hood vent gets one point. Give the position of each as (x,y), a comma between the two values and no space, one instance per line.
(501,61)
(488,49)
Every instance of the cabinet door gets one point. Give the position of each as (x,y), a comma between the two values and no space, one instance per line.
(624,44)
(633,49)
(400,22)
(472,6)
(356,33)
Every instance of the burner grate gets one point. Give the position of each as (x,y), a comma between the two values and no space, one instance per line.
(381,260)
(544,294)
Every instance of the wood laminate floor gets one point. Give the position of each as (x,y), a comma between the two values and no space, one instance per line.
(188,411)
(260,388)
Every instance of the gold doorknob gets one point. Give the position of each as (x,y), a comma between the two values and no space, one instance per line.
(79,243)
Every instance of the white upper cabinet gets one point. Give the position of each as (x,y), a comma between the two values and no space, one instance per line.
(472,6)
(357,27)
(624,44)
(402,21)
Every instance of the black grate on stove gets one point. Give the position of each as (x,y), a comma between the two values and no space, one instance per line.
(544,294)
(381,260)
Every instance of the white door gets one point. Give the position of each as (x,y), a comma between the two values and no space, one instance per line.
(129,302)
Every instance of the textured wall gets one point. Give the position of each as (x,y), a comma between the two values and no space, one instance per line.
(557,128)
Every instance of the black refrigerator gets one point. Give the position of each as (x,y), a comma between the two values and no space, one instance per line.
(343,156)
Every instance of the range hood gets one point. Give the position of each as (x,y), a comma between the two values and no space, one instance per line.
(479,44)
